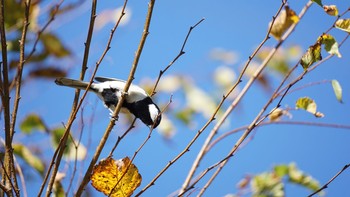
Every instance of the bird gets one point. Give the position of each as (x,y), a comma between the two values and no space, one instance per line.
(109,90)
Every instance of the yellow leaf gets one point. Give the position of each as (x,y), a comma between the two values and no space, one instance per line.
(343,24)
(309,105)
(116,177)
(312,55)
(285,19)
(331,10)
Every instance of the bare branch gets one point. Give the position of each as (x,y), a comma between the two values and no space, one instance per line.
(182,52)
(325,186)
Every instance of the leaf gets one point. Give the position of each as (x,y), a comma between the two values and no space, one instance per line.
(281,170)
(116,177)
(276,115)
(49,72)
(309,105)
(312,55)
(337,90)
(267,184)
(319,2)
(70,152)
(330,44)
(284,20)
(299,177)
(331,10)
(31,159)
(54,46)
(343,24)
(185,115)
(32,122)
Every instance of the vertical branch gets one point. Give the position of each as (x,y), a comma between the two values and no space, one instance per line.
(109,128)
(5,98)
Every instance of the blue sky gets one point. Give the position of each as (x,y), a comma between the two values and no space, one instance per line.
(236,26)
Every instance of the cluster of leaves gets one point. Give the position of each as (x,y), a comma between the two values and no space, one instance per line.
(46,45)
(273,183)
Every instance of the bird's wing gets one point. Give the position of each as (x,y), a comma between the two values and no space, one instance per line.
(104,79)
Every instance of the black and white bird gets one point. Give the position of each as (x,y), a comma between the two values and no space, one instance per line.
(109,90)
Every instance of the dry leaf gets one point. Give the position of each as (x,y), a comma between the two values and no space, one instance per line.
(116,177)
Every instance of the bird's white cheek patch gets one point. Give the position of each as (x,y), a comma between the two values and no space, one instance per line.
(153,111)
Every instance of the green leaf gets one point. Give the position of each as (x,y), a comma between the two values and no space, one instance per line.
(337,90)
(319,2)
(54,46)
(343,24)
(309,105)
(281,170)
(70,152)
(32,122)
(32,160)
(267,185)
(330,44)
(185,115)
(299,177)
(312,55)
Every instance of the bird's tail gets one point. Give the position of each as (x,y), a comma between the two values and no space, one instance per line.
(71,83)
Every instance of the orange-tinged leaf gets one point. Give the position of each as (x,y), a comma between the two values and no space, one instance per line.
(282,23)
(116,177)
(331,10)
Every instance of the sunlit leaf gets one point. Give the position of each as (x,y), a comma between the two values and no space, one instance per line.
(276,114)
(319,2)
(70,152)
(343,24)
(330,44)
(263,78)
(224,76)
(267,184)
(48,72)
(31,159)
(54,45)
(116,178)
(299,177)
(32,122)
(309,105)
(337,90)
(312,55)
(331,10)
(281,170)
(284,20)
(199,100)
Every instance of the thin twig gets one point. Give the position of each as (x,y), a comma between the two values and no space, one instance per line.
(182,52)
(154,91)
(315,124)
(140,147)
(325,186)
(132,125)
(99,148)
